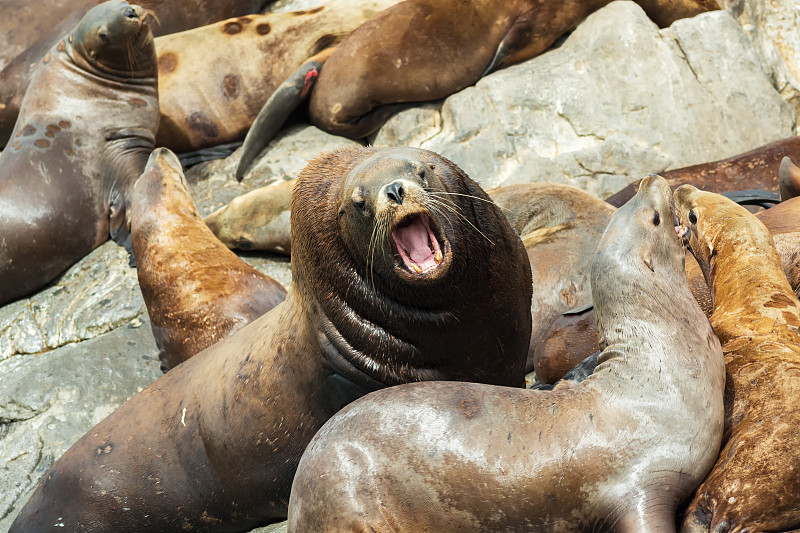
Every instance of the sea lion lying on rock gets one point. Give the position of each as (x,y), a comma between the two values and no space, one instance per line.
(618,452)
(402,270)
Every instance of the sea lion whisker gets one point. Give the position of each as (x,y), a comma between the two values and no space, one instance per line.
(436,193)
(455,211)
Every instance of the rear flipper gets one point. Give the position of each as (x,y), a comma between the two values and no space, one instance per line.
(278,107)
(581,371)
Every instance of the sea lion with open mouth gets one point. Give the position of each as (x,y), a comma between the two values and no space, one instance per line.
(196,290)
(618,452)
(402,270)
(754,484)
(85,132)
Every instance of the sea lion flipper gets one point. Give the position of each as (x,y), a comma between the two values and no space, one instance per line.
(272,116)
(765,199)
(518,37)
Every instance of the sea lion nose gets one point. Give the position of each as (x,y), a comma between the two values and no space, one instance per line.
(395,192)
(131,13)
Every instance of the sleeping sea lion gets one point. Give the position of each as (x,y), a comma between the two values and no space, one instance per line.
(618,452)
(83,136)
(402,270)
(196,290)
(753,486)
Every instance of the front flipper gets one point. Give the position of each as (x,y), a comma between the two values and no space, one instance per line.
(280,104)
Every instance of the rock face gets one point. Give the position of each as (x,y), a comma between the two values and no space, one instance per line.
(617,99)
(772,26)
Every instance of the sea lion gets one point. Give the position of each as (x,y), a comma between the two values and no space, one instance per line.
(45,23)
(83,136)
(618,452)
(756,169)
(560,227)
(214,80)
(788,179)
(196,290)
(257,220)
(753,486)
(214,443)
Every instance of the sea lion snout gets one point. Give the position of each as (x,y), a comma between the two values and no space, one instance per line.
(395,191)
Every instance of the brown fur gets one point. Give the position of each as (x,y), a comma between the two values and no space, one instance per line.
(754,485)
(214,80)
(215,442)
(196,290)
(756,169)
(34,27)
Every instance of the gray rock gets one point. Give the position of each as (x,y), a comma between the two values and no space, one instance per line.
(617,100)
(48,400)
(772,26)
(96,295)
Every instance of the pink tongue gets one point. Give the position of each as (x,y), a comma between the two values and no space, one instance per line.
(413,244)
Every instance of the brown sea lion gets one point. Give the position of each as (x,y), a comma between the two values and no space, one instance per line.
(402,270)
(788,179)
(82,139)
(560,227)
(214,80)
(754,485)
(756,169)
(196,290)
(38,26)
(257,220)
(421,50)
(618,452)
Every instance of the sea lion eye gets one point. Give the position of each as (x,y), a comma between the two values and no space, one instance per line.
(692,217)
(656,218)
(360,204)
(103,36)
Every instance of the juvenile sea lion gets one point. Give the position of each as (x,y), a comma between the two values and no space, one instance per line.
(402,270)
(753,486)
(257,220)
(83,137)
(214,80)
(196,290)
(618,452)
(44,23)
(756,169)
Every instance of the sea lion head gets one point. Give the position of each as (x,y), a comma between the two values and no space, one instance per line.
(706,218)
(640,244)
(114,38)
(402,255)
(159,192)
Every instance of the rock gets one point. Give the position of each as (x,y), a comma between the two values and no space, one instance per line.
(49,400)
(772,27)
(619,99)
(214,183)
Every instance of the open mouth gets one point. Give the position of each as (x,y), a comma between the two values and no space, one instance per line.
(417,245)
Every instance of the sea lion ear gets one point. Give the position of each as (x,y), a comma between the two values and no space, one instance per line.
(118,223)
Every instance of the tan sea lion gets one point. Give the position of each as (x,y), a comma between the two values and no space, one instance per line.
(402,270)
(754,485)
(214,80)
(196,290)
(83,137)
(618,452)
(35,27)
(257,220)
(756,169)
(788,179)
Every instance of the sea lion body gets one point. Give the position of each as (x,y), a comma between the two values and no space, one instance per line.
(38,26)
(257,220)
(560,227)
(81,141)
(617,452)
(753,485)
(756,169)
(214,443)
(214,80)
(196,290)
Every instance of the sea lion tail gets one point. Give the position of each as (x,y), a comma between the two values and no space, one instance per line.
(276,110)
